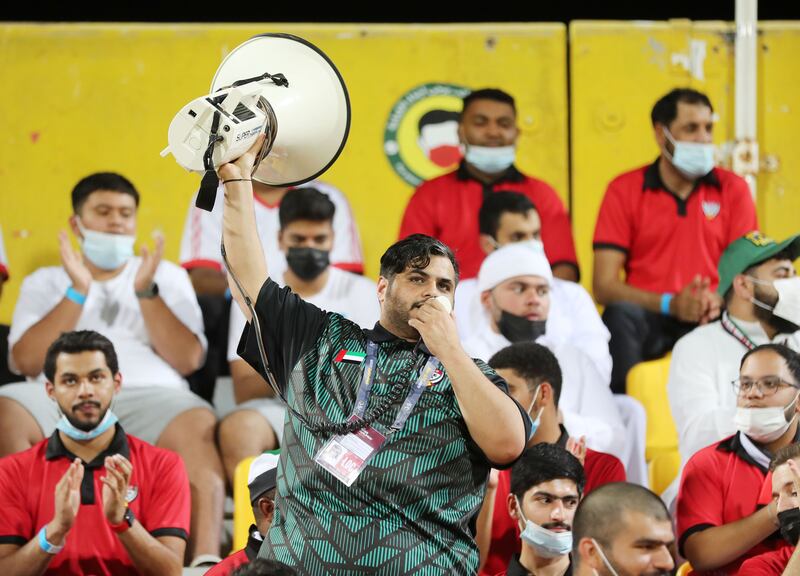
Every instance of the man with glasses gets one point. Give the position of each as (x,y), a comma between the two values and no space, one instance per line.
(724,515)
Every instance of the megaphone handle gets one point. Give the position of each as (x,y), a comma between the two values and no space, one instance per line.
(208,186)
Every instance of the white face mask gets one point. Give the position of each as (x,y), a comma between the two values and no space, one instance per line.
(547,543)
(692,159)
(538,420)
(490,159)
(765,424)
(788,305)
(106,251)
(604,559)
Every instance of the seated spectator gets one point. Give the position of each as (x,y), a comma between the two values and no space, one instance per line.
(785,488)
(722,516)
(91,499)
(534,380)
(622,529)
(507,217)
(447,207)
(514,285)
(264,567)
(665,225)
(704,362)
(306,236)
(148,309)
(261,482)
(546,486)
(6,375)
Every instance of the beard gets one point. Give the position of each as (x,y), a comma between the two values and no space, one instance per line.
(781,325)
(397,313)
(85,426)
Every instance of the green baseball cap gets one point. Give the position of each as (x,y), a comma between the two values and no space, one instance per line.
(749,250)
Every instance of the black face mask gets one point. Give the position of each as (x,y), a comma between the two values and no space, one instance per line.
(520,329)
(790,525)
(307,263)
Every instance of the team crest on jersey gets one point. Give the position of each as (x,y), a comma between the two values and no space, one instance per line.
(131,494)
(438,374)
(711,209)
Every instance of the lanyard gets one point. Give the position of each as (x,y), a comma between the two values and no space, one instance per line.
(733,329)
(368,378)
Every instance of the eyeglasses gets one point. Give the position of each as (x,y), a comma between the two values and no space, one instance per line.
(767,385)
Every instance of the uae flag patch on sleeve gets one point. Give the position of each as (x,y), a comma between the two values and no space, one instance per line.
(350,356)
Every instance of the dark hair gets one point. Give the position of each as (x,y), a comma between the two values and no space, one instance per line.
(601,513)
(436,117)
(544,462)
(75,343)
(497,204)
(264,567)
(101,181)
(782,255)
(533,362)
(414,251)
(666,109)
(783,455)
(791,358)
(489,94)
(305,204)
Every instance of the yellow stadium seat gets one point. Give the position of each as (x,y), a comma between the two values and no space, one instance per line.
(242,510)
(663,469)
(647,382)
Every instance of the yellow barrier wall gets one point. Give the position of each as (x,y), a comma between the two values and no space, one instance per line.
(89,97)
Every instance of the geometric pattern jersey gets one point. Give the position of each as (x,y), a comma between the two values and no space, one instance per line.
(413,508)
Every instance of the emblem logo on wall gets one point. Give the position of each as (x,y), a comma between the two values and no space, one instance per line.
(421,135)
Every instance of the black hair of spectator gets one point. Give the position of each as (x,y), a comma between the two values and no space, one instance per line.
(750,270)
(532,362)
(264,567)
(109,181)
(542,463)
(75,343)
(437,117)
(666,109)
(791,358)
(602,513)
(305,203)
(783,455)
(489,94)
(499,203)
(414,251)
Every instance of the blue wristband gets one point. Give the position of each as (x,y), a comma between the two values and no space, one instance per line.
(665,300)
(76,296)
(45,545)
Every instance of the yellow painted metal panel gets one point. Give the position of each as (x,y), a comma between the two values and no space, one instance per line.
(89,97)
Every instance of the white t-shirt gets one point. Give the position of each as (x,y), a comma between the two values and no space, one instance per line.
(351,295)
(586,401)
(573,319)
(200,244)
(112,309)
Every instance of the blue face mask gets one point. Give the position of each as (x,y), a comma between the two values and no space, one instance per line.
(106,251)
(538,420)
(548,544)
(65,426)
(490,159)
(692,159)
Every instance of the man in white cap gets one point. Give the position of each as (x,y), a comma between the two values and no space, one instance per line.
(514,284)
(261,481)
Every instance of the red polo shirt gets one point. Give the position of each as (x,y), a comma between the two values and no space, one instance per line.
(447,208)
(722,484)
(236,559)
(767,564)
(158,494)
(666,240)
(600,468)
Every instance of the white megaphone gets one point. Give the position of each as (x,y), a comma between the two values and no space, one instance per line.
(277,84)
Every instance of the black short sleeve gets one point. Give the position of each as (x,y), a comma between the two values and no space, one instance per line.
(289,326)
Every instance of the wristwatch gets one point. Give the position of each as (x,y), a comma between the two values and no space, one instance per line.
(127,522)
(149,292)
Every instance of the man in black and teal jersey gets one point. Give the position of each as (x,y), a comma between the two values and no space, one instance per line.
(390,432)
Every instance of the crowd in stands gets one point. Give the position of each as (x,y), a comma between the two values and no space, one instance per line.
(114,460)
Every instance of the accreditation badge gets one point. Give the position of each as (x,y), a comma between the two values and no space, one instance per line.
(346,456)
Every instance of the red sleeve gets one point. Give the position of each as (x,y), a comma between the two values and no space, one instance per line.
(613,228)
(228,565)
(602,468)
(765,497)
(556,227)
(420,216)
(700,499)
(16,521)
(169,506)
(743,209)
(767,564)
